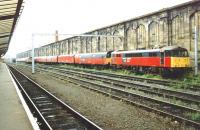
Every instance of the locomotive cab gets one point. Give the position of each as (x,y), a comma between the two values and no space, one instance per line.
(108,58)
(178,57)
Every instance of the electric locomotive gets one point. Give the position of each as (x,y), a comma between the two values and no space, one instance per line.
(171,58)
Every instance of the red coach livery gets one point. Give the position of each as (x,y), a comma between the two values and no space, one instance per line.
(166,58)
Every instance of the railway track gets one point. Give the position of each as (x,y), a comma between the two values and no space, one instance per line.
(144,87)
(192,87)
(184,97)
(177,112)
(51,113)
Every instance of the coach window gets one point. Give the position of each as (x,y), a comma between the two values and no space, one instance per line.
(118,55)
(108,55)
(138,55)
(175,53)
(145,54)
(167,53)
(183,53)
(127,55)
(153,54)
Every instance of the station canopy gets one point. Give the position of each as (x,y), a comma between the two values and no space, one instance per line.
(10,11)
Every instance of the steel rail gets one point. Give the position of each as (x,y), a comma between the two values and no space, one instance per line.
(174,111)
(167,93)
(169,83)
(84,121)
(147,88)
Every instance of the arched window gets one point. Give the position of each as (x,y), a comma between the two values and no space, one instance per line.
(194,21)
(154,33)
(110,45)
(118,45)
(131,39)
(103,44)
(141,36)
(175,30)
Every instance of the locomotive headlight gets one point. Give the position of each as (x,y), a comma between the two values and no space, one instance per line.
(128,59)
(124,60)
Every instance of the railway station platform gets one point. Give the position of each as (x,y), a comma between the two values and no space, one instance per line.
(12,114)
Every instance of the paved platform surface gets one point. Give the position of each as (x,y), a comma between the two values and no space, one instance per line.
(12,113)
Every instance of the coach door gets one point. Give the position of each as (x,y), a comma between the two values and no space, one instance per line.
(108,57)
(162,58)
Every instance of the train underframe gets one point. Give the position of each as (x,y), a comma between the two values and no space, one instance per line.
(163,71)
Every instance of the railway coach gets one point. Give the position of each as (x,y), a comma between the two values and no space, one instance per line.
(69,59)
(100,58)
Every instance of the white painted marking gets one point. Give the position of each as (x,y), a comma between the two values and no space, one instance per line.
(28,112)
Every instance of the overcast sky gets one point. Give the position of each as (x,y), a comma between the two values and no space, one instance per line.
(75,17)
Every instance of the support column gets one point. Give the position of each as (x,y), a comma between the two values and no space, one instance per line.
(196,51)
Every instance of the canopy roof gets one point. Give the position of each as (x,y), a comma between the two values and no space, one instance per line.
(10,11)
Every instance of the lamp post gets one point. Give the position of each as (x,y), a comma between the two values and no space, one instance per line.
(196,51)
(33,55)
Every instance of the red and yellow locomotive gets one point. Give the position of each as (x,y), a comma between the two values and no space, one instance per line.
(167,58)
